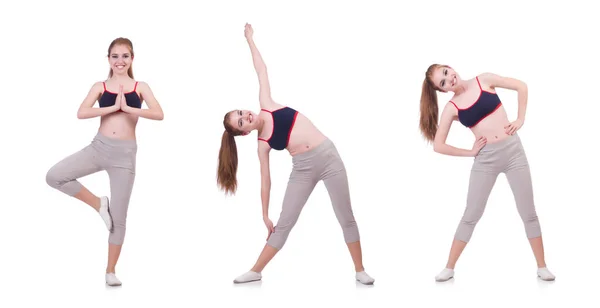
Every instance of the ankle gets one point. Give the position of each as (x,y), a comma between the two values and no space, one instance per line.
(97,204)
(359,269)
(256,270)
(110,270)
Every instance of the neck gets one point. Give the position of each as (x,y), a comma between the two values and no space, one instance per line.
(120,77)
(260,125)
(461,88)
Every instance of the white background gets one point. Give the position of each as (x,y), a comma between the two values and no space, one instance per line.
(355,69)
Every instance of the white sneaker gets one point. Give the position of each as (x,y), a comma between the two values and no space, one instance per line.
(364,278)
(248,277)
(105,212)
(545,274)
(112,280)
(445,275)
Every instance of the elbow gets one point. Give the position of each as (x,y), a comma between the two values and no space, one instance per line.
(523,87)
(438,148)
(81,114)
(159,116)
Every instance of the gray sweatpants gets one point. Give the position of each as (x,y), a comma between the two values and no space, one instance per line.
(117,158)
(321,163)
(506,156)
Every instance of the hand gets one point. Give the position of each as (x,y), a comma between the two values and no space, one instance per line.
(513,127)
(122,101)
(269,225)
(248,31)
(478,145)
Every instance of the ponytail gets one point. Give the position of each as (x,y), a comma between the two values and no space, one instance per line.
(429,106)
(228,163)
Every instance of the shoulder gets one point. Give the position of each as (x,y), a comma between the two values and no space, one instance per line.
(488,77)
(450,111)
(142,85)
(97,87)
(263,149)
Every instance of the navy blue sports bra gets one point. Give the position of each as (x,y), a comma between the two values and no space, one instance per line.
(109,98)
(486,104)
(283,123)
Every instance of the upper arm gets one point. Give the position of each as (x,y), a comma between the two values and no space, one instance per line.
(263,157)
(92,95)
(495,81)
(264,93)
(448,116)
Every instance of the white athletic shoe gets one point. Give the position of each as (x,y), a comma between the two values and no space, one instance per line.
(105,212)
(445,275)
(112,280)
(248,277)
(545,274)
(364,278)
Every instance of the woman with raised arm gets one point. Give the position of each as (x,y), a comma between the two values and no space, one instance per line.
(497,149)
(314,157)
(113,149)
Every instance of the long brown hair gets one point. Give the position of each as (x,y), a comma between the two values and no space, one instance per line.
(429,105)
(125,42)
(228,159)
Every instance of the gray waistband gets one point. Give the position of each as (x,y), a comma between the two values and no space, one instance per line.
(115,142)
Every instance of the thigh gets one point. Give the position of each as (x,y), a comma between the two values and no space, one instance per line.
(121,187)
(79,164)
(480,187)
(300,187)
(521,185)
(339,192)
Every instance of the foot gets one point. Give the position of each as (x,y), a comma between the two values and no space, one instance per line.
(445,275)
(112,280)
(545,274)
(248,277)
(104,213)
(364,278)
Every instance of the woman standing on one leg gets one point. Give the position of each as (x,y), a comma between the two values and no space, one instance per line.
(497,149)
(314,157)
(113,149)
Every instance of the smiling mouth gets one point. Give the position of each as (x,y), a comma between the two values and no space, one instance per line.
(454,81)
(250,118)
(120,66)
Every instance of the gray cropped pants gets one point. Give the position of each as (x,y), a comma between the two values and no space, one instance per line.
(321,163)
(506,156)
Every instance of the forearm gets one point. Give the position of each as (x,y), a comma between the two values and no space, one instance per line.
(91,112)
(151,114)
(522,101)
(265,192)
(259,64)
(452,151)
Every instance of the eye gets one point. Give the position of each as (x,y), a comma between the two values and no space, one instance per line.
(445,72)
